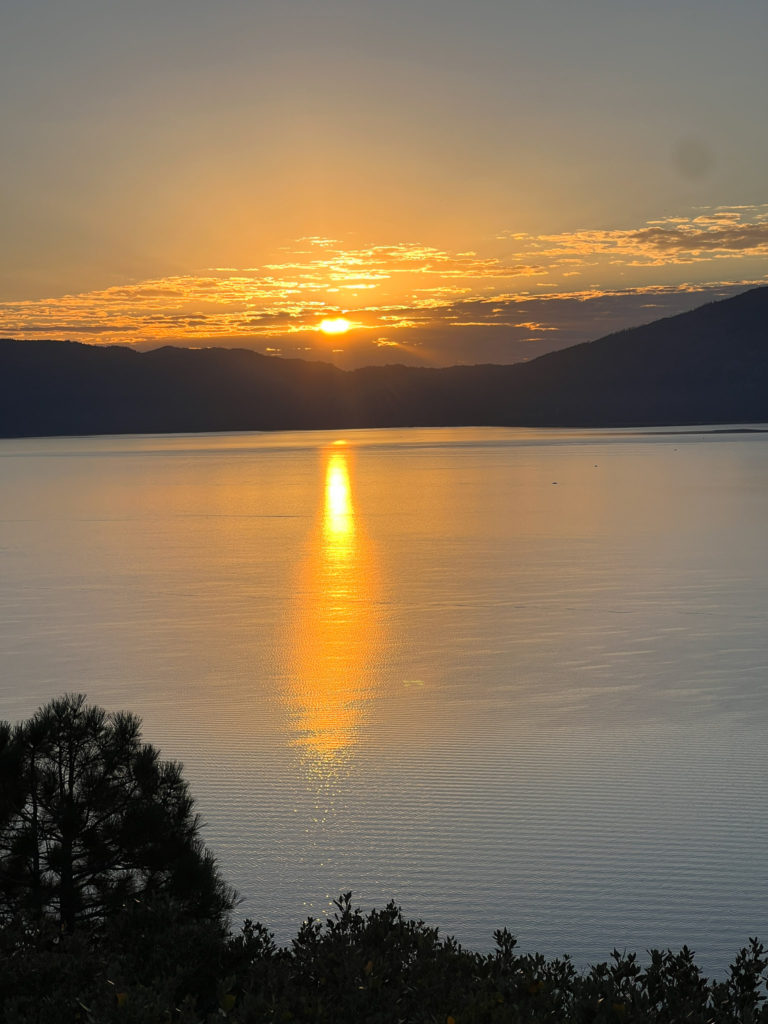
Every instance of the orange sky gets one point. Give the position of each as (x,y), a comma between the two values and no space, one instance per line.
(460,182)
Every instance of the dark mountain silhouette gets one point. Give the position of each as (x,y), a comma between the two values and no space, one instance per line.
(706,366)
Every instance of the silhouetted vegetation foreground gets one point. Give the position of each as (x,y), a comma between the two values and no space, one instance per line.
(99,921)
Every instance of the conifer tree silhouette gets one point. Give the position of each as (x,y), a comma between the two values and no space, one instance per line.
(92,819)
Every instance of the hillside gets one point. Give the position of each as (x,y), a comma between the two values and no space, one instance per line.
(706,366)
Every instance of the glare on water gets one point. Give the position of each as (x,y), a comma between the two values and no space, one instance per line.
(503,677)
(332,627)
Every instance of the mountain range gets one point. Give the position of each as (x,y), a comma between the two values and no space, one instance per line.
(706,366)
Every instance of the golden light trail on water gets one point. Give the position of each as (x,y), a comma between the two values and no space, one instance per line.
(338,521)
(334,628)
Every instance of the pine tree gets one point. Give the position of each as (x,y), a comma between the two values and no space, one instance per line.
(92,819)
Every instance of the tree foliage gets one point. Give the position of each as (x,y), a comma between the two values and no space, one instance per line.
(92,818)
(353,968)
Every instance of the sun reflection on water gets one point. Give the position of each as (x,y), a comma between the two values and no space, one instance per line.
(335,629)
(338,515)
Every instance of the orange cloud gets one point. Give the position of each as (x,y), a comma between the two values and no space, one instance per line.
(734,233)
(404,295)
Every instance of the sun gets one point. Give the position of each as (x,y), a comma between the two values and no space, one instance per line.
(336,326)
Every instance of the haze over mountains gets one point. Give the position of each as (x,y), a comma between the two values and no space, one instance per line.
(709,365)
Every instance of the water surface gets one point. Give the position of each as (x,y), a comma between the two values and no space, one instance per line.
(505,677)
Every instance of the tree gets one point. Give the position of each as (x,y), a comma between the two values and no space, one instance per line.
(91,819)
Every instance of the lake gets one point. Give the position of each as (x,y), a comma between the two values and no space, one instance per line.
(504,677)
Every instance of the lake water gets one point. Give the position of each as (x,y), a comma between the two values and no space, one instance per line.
(504,677)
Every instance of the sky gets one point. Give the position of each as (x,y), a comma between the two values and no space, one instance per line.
(370,181)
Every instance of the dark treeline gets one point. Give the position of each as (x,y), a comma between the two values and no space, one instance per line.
(706,366)
(113,912)
(151,964)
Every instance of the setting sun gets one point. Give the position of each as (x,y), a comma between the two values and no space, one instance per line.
(336,326)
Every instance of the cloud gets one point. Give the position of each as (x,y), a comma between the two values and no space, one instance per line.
(421,303)
(735,232)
